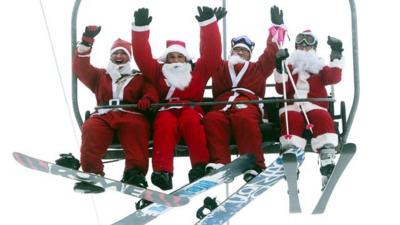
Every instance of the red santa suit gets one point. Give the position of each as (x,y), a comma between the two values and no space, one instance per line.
(173,123)
(311,75)
(242,81)
(130,125)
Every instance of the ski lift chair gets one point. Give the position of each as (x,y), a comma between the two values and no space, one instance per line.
(270,130)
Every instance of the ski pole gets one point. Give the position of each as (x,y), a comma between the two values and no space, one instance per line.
(279,36)
(309,125)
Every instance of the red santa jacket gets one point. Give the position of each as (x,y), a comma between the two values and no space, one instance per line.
(251,85)
(100,83)
(311,84)
(210,58)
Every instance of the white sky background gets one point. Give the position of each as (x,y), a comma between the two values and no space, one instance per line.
(35,118)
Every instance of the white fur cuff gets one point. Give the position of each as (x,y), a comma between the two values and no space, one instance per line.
(339,63)
(82,49)
(294,140)
(280,77)
(140,28)
(321,140)
(207,22)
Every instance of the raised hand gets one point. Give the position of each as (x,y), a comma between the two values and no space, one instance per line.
(336,47)
(89,34)
(220,12)
(142,17)
(276,15)
(205,13)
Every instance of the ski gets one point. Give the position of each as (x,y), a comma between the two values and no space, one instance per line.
(51,168)
(249,191)
(346,155)
(222,175)
(290,167)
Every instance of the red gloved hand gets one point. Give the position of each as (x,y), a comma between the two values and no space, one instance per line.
(144,103)
(89,34)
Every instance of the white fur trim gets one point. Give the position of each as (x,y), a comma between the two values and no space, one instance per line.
(123,49)
(207,22)
(323,139)
(140,28)
(295,107)
(339,63)
(280,77)
(243,46)
(84,56)
(307,107)
(294,140)
(175,48)
(82,49)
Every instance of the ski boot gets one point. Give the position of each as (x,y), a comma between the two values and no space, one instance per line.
(162,180)
(69,161)
(327,158)
(251,173)
(135,177)
(198,171)
(290,149)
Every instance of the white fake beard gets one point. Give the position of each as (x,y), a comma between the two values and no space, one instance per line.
(116,70)
(305,61)
(236,59)
(178,74)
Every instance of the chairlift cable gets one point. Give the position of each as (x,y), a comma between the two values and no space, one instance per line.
(59,73)
(65,98)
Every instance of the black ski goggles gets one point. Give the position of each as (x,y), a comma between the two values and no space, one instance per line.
(243,39)
(306,39)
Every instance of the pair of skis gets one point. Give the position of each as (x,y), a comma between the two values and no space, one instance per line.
(269,177)
(161,202)
(284,166)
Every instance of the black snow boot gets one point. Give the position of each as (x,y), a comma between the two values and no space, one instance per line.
(135,177)
(162,180)
(198,171)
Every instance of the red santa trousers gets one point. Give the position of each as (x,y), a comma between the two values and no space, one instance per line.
(241,124)
(169,126)
(97,133)
(323,129)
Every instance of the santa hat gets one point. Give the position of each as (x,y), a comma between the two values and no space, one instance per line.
(120,44)
(244,42)
(175,46)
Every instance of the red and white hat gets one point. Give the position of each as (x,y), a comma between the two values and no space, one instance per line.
(175,46)
(120,44)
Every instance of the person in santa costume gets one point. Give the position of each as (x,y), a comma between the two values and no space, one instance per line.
(310,75)
(178,80)
(238,79)
(116,84)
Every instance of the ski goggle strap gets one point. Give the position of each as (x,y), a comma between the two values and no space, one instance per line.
(306,39)
(243,39)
